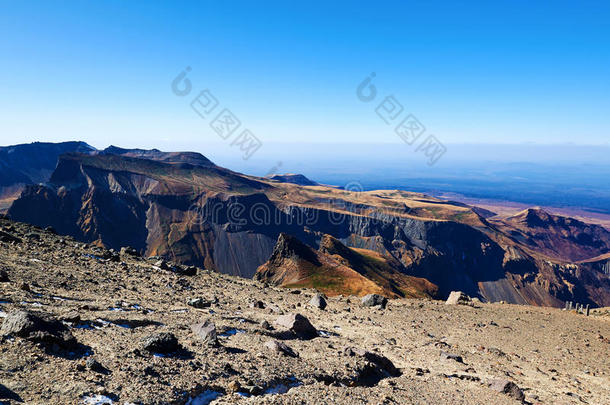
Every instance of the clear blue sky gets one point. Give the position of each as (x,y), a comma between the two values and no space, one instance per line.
(500,72)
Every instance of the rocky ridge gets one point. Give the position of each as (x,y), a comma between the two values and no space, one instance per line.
(182,207)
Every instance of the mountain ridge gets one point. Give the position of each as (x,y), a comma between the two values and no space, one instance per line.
(229,222)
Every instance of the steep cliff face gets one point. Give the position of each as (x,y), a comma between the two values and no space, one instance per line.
(556,236)
(33,163)
(183,208)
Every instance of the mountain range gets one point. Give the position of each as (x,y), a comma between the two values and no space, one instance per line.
(293,232)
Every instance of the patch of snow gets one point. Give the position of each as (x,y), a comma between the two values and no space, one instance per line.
(204,398)
(97,400)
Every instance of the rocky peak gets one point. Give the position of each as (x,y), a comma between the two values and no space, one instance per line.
(293,178)
(332,246)
(289,247)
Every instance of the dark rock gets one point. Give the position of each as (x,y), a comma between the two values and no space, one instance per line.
(367,368)
(257,304)
(206,331)
(185,271)
(4,276)
(162,342)
(507,387)
(280,347)
(450,356)
(373,300)
(163,265)
(39,328)
(25,287)
(7,238)
(297,324)
(318,301)
(199,303)
(458,298)
(149,370)
(265,325)
(33,236)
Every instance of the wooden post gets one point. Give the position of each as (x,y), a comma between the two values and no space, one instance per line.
(587,311)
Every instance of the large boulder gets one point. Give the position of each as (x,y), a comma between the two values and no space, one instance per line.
(318,301)
(374,300)
(458,298)
(297,324)
(206,331)
(40,328)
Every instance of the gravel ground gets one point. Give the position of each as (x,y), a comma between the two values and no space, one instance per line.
(446,354)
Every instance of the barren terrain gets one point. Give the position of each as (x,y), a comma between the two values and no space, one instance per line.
(445,354)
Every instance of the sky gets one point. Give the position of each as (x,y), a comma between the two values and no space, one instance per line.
(471,72)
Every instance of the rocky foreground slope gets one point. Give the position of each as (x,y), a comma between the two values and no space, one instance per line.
(81,324)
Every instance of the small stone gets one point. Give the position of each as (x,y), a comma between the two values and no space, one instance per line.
(507,387)
(257,304)
(318,301)
(450,356)
(298,324)
(4,276)
(233,386)
(25,287)
(373,300)
(280,347)
(163,343)
(94,365)
(206,331)
(265,325)
(199,303)
(458,297)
